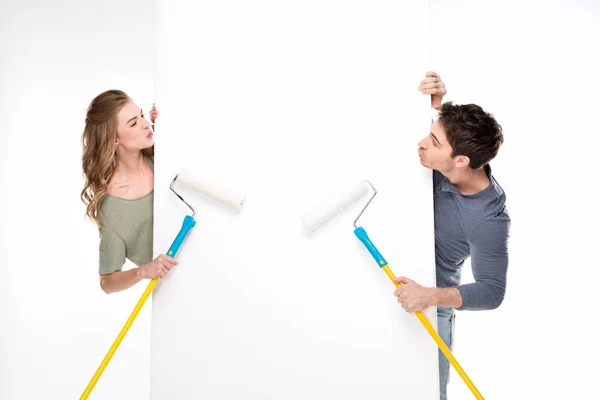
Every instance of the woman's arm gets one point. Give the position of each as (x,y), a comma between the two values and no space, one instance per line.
(122,280)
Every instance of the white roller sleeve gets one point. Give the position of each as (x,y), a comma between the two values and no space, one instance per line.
(333,204)
(212,189)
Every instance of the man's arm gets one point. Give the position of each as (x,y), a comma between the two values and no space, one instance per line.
(415,297)
(447,297)
(489,262)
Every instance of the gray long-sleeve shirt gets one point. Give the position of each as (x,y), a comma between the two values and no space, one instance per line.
(478,226)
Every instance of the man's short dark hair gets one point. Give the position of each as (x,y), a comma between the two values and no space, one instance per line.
(471,132)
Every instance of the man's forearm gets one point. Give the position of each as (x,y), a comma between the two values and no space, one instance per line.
(119,280)
(446,297)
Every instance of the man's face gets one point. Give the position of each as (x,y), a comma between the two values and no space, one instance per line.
(435,151)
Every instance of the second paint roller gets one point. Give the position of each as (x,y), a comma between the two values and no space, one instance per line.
(208,188)
(321,213)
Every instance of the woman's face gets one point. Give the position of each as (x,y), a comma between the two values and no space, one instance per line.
(133,130)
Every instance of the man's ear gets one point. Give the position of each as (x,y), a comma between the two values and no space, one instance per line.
(462,161)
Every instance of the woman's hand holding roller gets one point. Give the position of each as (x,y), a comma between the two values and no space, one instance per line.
(157,268)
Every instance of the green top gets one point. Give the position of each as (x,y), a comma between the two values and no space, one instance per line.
(127,231)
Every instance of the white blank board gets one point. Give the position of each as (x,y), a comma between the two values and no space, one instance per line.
(285,102)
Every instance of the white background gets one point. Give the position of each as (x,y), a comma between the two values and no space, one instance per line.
(56,324)
(532,64)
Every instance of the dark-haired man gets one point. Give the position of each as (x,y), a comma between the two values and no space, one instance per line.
(470,216)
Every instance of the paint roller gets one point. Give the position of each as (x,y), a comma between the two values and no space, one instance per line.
(208,188)
(320,213)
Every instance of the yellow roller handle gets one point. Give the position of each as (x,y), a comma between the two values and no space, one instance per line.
(438,340)
(119,339)
(188,224)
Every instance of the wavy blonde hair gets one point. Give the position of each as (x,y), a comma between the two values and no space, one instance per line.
(99,159)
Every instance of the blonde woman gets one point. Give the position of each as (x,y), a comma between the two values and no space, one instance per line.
(118,167)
